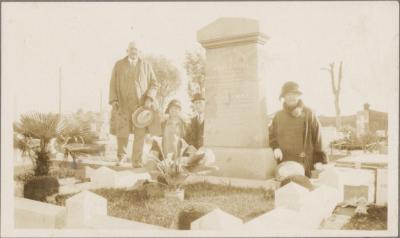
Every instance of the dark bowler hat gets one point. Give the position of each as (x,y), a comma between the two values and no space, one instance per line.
(197,97)
(175,103)
(290,87)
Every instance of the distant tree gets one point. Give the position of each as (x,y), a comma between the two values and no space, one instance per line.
(195,69)
(336,82)
(167,76)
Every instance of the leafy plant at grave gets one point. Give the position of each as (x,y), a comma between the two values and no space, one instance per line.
(34,132)
(173,170)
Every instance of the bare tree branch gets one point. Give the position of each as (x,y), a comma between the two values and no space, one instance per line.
(340,77)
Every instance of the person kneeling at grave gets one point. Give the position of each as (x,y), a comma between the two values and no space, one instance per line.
(295,132)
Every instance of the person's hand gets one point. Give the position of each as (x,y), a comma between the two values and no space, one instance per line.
(278,154)
(115,105)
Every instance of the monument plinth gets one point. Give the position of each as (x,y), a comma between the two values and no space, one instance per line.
(236,114)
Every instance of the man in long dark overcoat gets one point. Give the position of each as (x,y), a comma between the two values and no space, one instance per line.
(132,78)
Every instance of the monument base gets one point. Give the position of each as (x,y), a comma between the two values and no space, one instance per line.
(249,163)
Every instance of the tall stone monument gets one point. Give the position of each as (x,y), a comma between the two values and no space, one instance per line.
(236,114)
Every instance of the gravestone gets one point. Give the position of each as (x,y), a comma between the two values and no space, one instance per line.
(30,214)
(291,196)
(279,218)
(216,220)
(235,114)
(84,206)
(103,177)
(322,201)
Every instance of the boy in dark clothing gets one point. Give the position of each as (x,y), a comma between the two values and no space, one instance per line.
(295,132)
(195,135)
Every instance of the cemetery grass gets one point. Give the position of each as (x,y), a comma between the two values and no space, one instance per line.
(376,219)
(148,205)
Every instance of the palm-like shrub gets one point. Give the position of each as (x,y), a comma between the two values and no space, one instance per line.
(34,133)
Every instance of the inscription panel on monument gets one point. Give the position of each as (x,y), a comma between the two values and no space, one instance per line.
(234,115)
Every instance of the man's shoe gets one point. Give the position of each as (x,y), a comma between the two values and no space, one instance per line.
(137,165)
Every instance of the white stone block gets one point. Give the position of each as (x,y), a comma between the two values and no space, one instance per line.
(18,189)
(381,186)
(67,181)
(319,204)
(33,214)
(357,183)
(125,179)
(89,172)
(278,219)
(333,178)
(330,177)
(103,177)
(291,196)
(83,207)
(75,188)
(216,220)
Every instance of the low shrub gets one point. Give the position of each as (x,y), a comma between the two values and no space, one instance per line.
(24,177)
(192,212)
(39,187)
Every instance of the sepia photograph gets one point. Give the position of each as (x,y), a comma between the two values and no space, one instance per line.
(199,119)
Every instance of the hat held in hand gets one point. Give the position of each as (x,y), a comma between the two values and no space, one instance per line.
(142,117)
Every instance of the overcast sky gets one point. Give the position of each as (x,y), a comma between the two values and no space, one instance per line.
(86,39)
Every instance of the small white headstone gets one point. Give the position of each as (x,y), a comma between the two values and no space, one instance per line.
(125,179)
(89,171)
(330,177)
(291,196)
(216,220)
(103,177)
(334,178)
(30,214)
(278,219)
(84,206)
(319,205)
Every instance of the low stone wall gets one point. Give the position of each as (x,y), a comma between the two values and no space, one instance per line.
(296,208)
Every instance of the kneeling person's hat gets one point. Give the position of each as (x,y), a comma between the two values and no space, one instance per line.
(173,103)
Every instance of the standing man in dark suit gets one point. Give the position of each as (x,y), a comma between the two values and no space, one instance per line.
(195,135)
(132,79)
